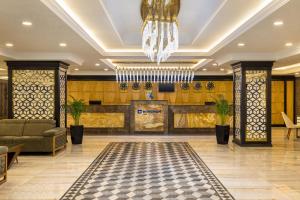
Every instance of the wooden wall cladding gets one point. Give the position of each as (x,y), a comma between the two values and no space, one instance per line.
(110,94)
(290,99)
(279,96)
(277,101)
(3,99)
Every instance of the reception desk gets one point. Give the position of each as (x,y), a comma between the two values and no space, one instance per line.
(148,117)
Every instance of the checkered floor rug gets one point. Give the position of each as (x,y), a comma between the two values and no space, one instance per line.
(141,171)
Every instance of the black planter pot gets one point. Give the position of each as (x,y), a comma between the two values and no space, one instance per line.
(76,134)
(222,134)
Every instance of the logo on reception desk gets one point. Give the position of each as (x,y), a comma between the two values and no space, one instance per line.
(139,111)
(149,117)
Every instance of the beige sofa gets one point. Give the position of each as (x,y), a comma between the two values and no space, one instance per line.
(3,164)
(36,135)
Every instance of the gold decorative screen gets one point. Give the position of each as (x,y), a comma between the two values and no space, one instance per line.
(33,94)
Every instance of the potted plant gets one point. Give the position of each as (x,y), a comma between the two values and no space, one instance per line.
(222,128)
(76,107)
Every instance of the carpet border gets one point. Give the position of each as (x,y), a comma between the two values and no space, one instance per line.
(100,157)
(197,159)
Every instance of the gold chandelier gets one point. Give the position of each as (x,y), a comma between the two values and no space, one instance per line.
(160,28)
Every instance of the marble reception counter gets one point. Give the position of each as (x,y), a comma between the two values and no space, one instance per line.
(148,117)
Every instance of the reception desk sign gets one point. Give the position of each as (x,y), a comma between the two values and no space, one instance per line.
(149,116)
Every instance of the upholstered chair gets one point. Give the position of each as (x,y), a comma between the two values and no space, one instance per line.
(3,164)
(290,125)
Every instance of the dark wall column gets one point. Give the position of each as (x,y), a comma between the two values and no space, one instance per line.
(3,99)
(37,90)
(252,103)
(297,100)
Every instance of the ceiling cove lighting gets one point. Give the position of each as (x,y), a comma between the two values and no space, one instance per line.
(155,74)
(288,67)
(9,44)
(278,23)
(160,28)
(27,23)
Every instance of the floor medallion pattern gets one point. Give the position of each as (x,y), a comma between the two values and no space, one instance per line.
(138,170)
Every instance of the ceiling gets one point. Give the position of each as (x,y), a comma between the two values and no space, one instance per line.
(99,34)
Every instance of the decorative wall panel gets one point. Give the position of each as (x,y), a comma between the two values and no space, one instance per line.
(237,102)
(62,97)
(252,109)
(110,93)
(33,94)
(256,128)
(37,90)
(100,120)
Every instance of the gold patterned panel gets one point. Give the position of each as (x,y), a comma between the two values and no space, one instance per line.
(100,120)
(110,94)
(194,120)
(277,101)
(32,92)
(290,99)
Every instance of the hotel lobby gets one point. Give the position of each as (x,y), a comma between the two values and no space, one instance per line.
(149,99)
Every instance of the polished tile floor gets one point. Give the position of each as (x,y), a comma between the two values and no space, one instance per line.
(248,173)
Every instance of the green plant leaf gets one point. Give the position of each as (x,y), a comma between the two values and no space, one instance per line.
(222,109)
(76,107)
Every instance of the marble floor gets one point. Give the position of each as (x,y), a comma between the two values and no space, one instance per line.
(248,173)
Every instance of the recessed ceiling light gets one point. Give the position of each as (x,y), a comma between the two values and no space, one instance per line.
(278,23)
(9,44)
(241,44)
(297,73)
(76,69)
(222,69)
(62,44)
(215,64)
(26,23)
(97,64)
(204,69)
(105,69)
(288,44)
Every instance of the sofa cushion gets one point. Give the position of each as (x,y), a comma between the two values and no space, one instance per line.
(54,131)
(11,127)
(37,127)
(3,149)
